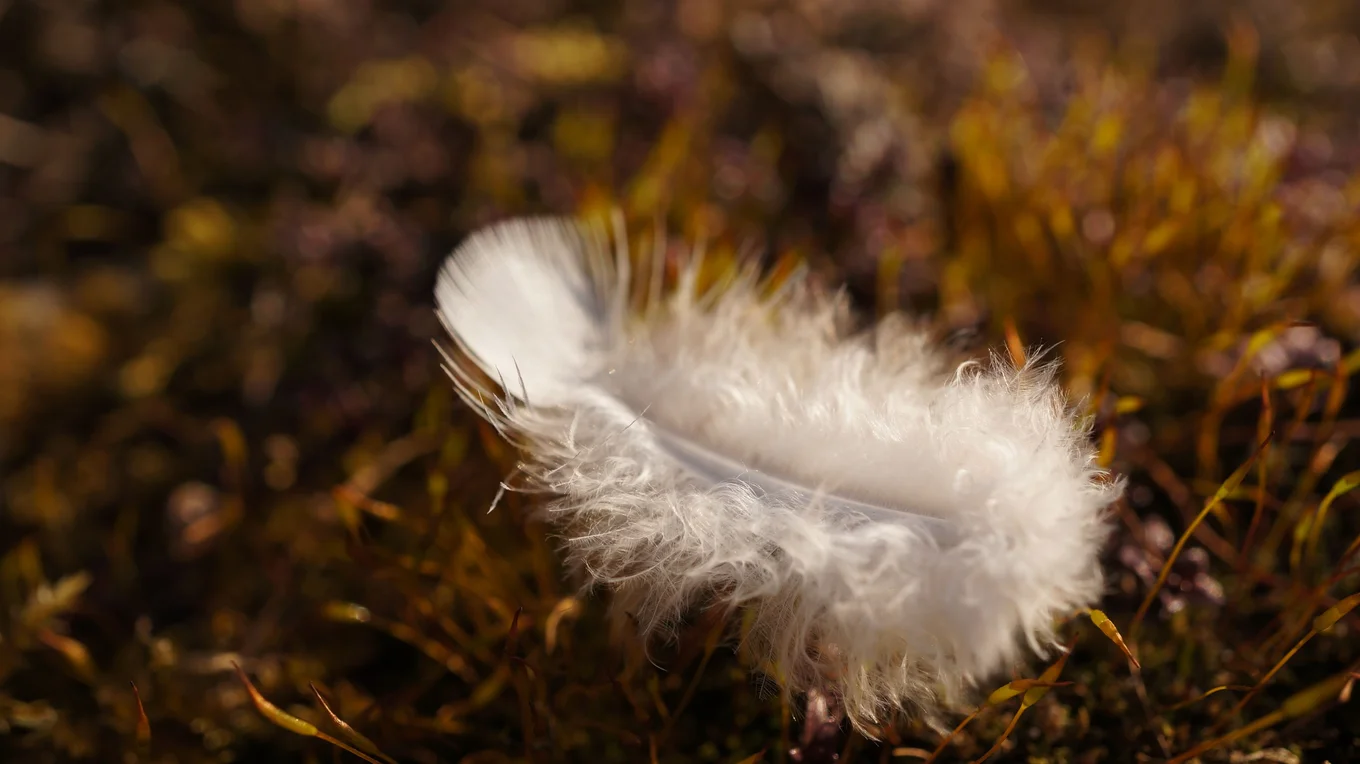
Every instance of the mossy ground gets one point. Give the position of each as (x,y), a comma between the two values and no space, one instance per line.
(227,442)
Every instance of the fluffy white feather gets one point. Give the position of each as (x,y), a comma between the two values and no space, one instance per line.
(897,527)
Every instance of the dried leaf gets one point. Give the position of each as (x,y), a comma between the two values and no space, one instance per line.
(143,723)
(1108,628)
(1347,483)
(291,723)
(350,733)
(1335,613)
(76,654)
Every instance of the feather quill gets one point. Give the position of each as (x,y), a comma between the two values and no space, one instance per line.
(897,526)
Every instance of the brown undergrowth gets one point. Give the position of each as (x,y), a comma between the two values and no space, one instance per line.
(245,518)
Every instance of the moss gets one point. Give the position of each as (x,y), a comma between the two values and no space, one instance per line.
(227,440)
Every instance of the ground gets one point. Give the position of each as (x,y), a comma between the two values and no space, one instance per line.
(225,439)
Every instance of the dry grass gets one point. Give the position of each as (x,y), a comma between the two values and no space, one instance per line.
(227,443)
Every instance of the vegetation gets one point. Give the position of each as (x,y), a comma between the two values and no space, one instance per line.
(241,503)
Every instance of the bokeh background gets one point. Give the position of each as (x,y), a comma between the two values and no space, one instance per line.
(225,439)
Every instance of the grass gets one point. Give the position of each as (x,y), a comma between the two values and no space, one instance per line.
(245,517)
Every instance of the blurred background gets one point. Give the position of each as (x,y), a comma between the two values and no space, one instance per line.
(225,438)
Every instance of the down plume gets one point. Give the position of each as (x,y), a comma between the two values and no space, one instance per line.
(895,526)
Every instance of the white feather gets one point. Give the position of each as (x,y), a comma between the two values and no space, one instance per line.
(897,529)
